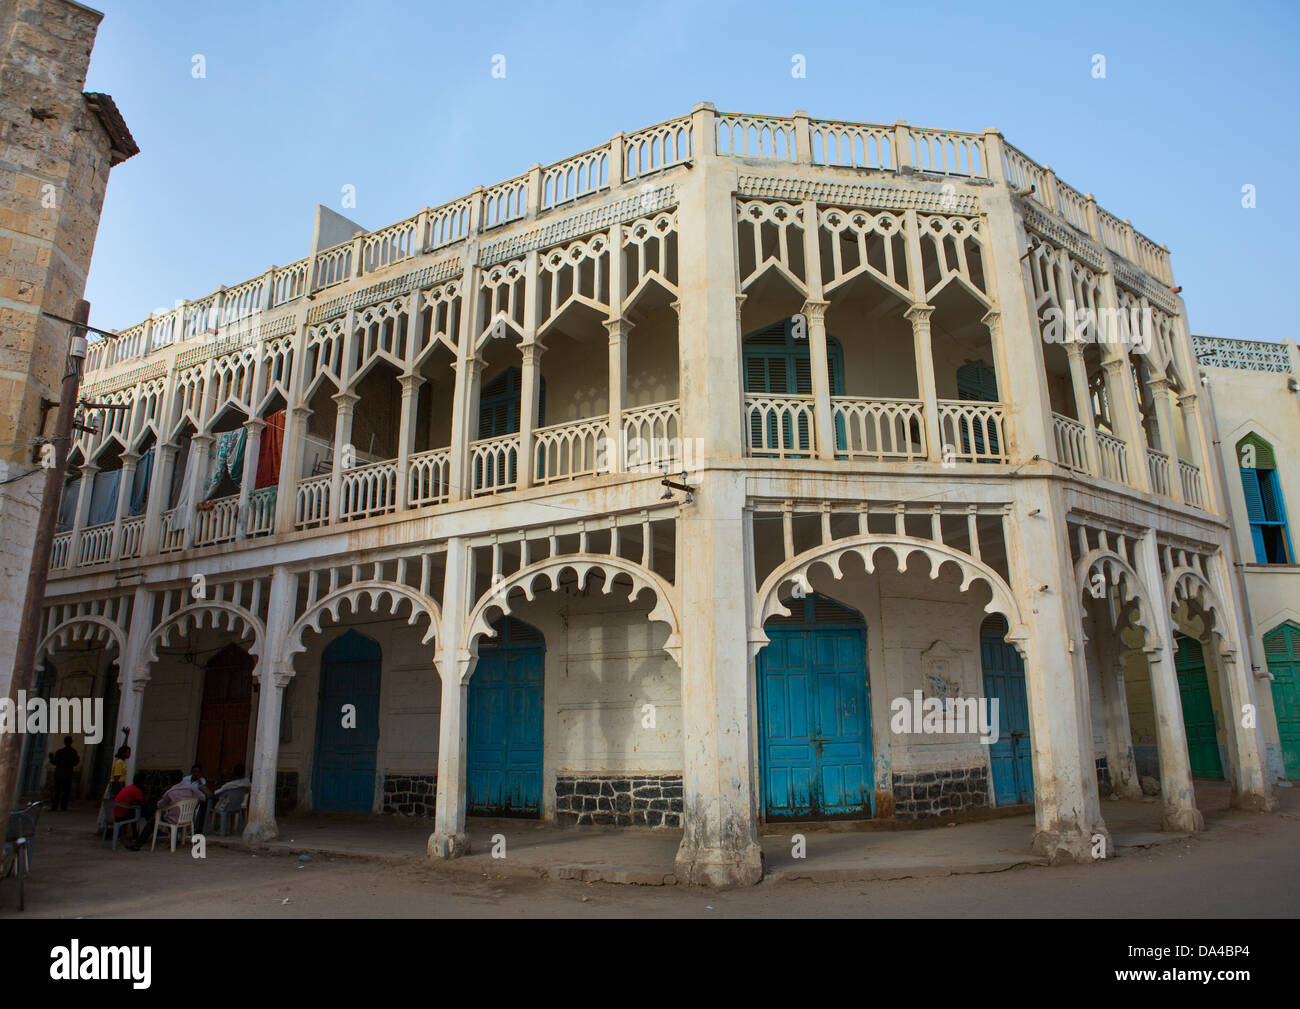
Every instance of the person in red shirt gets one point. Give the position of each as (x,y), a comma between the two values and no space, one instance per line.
(132,796)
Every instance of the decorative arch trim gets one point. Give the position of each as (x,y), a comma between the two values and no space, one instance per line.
(498,598)
(798,570)
(213,613)
(1128,584)
(1185,584)
(66,633)
(356,595)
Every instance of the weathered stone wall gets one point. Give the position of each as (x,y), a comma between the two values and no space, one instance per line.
(54,164)
(920,794)
(628,801)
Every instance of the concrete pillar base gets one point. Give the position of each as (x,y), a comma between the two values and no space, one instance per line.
(1182,821)
(444,846)
(721,869)
(1070,845)
(1253,802)
(260,830)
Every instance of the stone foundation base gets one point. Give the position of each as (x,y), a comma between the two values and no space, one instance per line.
(444,846)
(1182,821)
(919,794)
(1071,846)
(1253,802)
(719,869)
(625,801)
(410,794)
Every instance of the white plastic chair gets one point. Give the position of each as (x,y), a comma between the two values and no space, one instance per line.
(184,825)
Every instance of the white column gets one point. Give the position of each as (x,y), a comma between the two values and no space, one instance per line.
(124,483)
(274,671)
(1122,399)
(84,488)
(160,482)
(1083,403)
(200,449)
(292,457)
(344,452)
(252,454)
(919,317)
(616,450)
(1165,425)
(1177,796)
(133,675)
(449,839)
(406,435)
(818,360)
(529,400)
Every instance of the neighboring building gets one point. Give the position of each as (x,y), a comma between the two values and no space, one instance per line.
(1255,390)
(390,523)
(57,145)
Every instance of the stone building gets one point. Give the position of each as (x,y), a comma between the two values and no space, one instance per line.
(1255,390)
(57,145)
(673,485)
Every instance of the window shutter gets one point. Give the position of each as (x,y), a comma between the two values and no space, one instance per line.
(1254,500)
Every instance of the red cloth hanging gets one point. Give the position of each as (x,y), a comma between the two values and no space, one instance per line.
(268,457)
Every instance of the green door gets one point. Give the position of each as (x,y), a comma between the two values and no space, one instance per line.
(1282,653)
(1198,711)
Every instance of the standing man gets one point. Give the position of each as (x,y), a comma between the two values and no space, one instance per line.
(64,761)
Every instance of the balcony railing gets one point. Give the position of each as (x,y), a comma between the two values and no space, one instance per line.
(261,511)
(494,464)
(1071,443)
(59,551)
(571,450)
(877,429)
(96,544)
(1189,478)
(311,506)
(430,479)
(216,521)
(173,533)
(652,436)
(1158,469)
(369,490)
(1113,453)
(779,426)
(132,537)
(971,431)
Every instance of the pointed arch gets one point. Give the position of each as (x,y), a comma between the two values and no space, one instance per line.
(798,569)
(582,565)
(1128,584)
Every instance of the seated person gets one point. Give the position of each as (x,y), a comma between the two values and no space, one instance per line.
(129,798)
(181,790)
(196,780)
(240,780)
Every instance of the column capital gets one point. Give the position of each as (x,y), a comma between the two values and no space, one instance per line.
(919,313)
(130,458)
(815,309)
(254,425)
(531,352)
(619,328)
(410,381)
(89,467)
(992,318)
(345,400)
(1114,364)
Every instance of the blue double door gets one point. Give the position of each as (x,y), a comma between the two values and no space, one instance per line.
(1011,757)
(815,714)
(504,724)
(347,725)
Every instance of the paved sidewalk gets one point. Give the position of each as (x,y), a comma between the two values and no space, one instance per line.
(837,852)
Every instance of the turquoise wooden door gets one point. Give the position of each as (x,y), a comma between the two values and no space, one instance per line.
(1282,653)
(1198,710)
(815,714)
(504,731)
(1011,758)
(347,738)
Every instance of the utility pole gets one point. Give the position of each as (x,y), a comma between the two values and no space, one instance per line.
(11,743)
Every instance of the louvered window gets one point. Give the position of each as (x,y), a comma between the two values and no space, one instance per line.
(1264,506)
(779,364)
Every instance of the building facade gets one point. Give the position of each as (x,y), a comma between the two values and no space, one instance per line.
(1255,390)
(651,487)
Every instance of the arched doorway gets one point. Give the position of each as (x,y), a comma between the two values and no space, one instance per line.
(1011,757)
(224,715)
(1282,653)
(347,725)
(1198,708)
(504,723)
(815,713)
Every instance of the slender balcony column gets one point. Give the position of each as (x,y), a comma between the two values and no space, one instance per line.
(1189,405)
(252,455)
(200,450)
(464,420)
(1165,425)
(1083,403)
(615,450)
(815,313)
(274,671)
(133,675)
(406,435)
(160,482)
(124,483)
(919,316)
(529,394)
(344,451)
(84,489)
(1124,412)
(992,320)
(292,455)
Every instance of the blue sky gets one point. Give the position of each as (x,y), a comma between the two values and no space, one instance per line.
(398,100)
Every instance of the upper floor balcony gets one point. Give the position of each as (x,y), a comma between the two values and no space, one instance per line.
(530,335)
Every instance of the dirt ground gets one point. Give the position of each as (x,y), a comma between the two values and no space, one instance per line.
(1246,867)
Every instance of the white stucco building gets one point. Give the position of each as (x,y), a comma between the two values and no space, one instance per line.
(415,482)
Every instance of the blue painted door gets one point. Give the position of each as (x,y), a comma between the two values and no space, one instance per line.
(344,776)
(504,775)
(1011,757)
(815,714)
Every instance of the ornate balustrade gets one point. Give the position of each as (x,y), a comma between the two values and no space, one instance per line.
(132,538)
(652,436)
(1158,470)
(430,478)
(877,429)
(972,432)
(59,551)
(311,505)
(1113,453)
(96,544)
(369,490)
(261,511)
(1189,478)
(781,426)
(173,532)
(216,521)
(1071,443)
(494,465)
(571,450)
